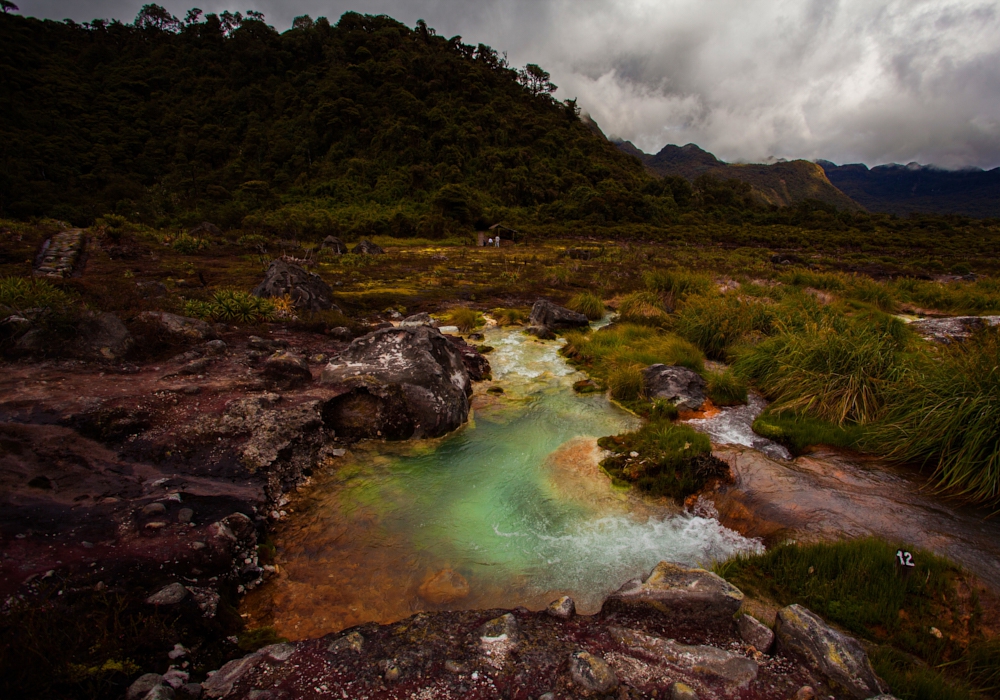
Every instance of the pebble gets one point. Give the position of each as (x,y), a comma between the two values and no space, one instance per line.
(168,595)
(563,608)
(682,691)
(805,693)
(184,515)
(592,672)
(154,509)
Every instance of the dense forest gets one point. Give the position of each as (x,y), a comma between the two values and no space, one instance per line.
(362,127)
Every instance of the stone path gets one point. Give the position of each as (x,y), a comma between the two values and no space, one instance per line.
(61,254)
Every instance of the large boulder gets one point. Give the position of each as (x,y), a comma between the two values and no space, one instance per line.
(402,383)
(180,327)
(306,289)
(366,247)
(334,245)
(676,591)
(103,335)
(475,362)
(838,657)
(678,385)
(547,317)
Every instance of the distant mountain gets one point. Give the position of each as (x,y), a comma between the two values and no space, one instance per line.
(902,189)
(783,183)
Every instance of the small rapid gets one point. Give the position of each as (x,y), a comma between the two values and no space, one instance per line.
(733,426)
(515,503)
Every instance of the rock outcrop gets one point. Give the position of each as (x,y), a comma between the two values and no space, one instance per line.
(679,385)
(839,658)
(306,289)
(546,318)
(180,327)
(366,247)
(334,245)
(401,383)
(952,329)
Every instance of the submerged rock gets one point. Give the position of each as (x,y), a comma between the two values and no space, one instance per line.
(446,586)
(837,656)
(677,591)
(306,289)
(547,317)
(679,385)
(400,383)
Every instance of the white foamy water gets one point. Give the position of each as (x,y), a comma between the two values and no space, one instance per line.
(732,426)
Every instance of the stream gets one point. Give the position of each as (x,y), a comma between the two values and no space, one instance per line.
(514,503)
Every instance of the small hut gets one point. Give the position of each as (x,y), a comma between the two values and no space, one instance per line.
(504,233)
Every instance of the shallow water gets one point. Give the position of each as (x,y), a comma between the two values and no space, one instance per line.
(732,426)
(515,503)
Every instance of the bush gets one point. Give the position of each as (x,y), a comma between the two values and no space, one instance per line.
(464,318)
(676,283)
(189,245)
(945,414)
(21,294)
(670,460)
(510,317)
(588,304)
(625,382)
(726,389)
(232,305)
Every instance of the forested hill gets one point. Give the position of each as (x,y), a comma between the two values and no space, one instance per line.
(362,123)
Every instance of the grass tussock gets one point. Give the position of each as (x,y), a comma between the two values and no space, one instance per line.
(22,294)
(644,307)
(716,324)
(798,432)
(510,317)
(625,382)
(726,389)
(588,304)
(676,283)
(466,319)
(663,460)
(839,372)
(945,415)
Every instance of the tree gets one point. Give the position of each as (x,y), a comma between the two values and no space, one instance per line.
(193,16)
(304,22)
(536,80)
(7,6)
(156,17)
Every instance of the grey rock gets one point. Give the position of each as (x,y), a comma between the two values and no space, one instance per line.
(160,692)
(755,633)
(366,247)
(838,657)
(61,253)
(735,670)
(180,326)
(591,672)
(103,336)
(215,347)
(540,332)
(306,289)
(154,509)
(503,627)
(953,329)
(142,685)
(199,366)
(352,641)
(341,333)
(267,344)
(175,678)
(334,245)
(678,385)
(168,595)
(680,592)
(400,383)
(184,515)
(563,608)
(416,320)
(190,691)
(290,368)
(545,314)
(222,681)
(278,652)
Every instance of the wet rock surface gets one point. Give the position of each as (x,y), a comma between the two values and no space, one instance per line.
(546,318)
(680,386)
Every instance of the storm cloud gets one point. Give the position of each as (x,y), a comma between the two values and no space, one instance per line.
(870,81)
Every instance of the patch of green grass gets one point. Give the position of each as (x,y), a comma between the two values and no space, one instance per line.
(798,432)
(979,297)
(910,680)
(836,370)
(625,382)
(944,416)
(715,324)
(21,294)
(726,389)
(588,304)
(644,307)
(465,318)
(677,283)
(855,584)
(510,317)
(662,459)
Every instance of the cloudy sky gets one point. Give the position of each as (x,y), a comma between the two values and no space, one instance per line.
(871,81)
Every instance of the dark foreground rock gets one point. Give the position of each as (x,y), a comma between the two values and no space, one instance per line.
(306,289)
(680,386)
(179,327)
(400,383)
(546,318)
(366,247)
(334,245)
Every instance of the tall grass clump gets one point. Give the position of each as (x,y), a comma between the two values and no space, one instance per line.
(678,284)
(232,305)
(588,304)
(837,371)
(625,382)
(945,416)
(979,297)
(509,317)
(464,318)
(21,295)
(726,389)
(644,307)
(716,324)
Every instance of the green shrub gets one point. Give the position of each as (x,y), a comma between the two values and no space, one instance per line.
(21,294)
(662,459)
(839,372)
(716,324)
(251,241)
(643,307)
(588,304)
(189,245)
(726,389)
(231,305)
(910,680)
(625,382)
(509,317)
(871,292)
(945,414)
(464,318)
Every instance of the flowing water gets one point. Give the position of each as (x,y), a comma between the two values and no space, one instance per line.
(514,503)
(732,426)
